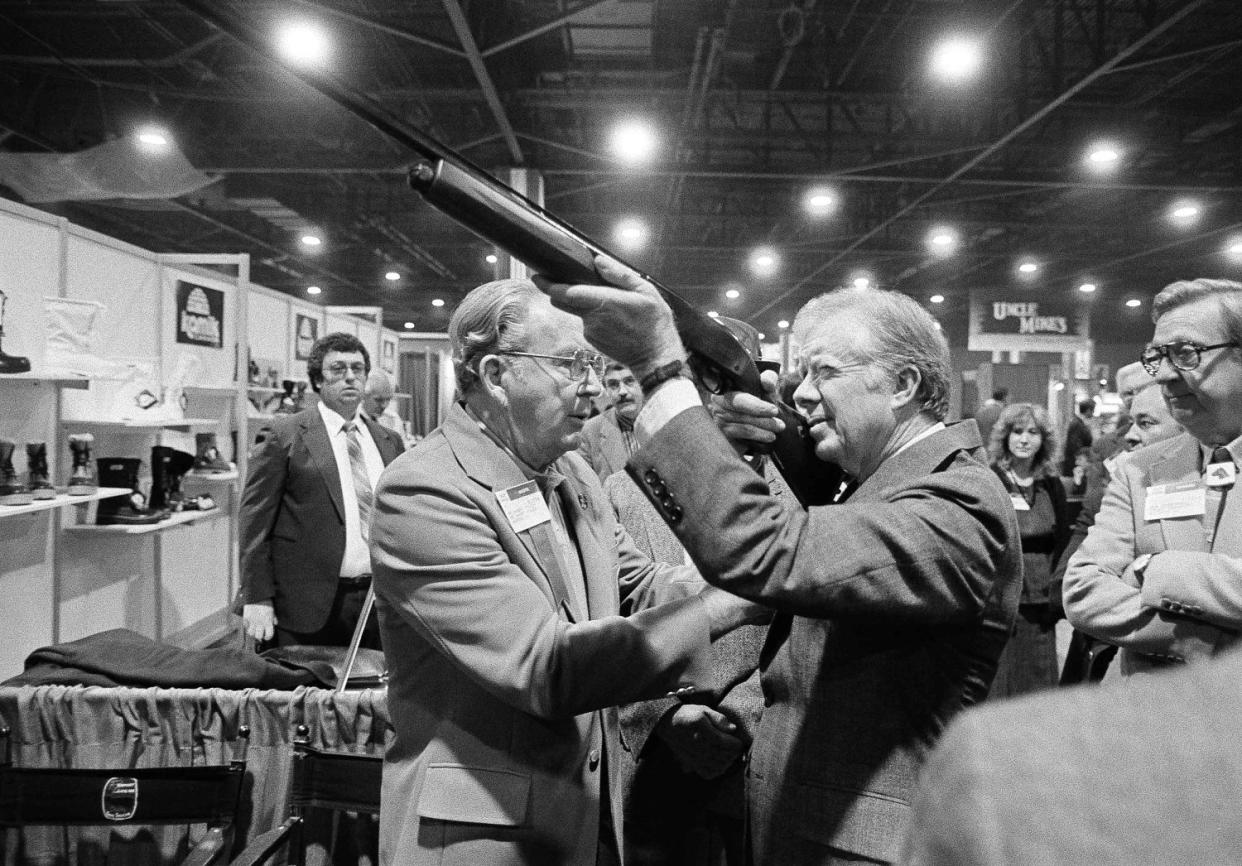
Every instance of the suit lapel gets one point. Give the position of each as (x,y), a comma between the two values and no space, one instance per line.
(381,436)
(1180,465)
(600,595)
(319,446)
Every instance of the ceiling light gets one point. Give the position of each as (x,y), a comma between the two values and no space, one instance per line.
(862,282)
(311,240)
(409,325)
(1087,288)
(313,290)
(1103,155)
(764,262)
(152,138)
(634,141)
(1185,211)
(936,299)
(733,294)
(631,233)
(303,43)
(1235,247)
(820,201)
(942,240)
(1134,302)
(956,58)
(783,323)
(1028,267)
(392,276)
(713,314)
(437,302)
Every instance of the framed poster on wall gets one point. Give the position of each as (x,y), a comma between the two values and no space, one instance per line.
(305,336)
(200,315)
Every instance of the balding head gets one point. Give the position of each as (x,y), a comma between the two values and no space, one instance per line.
(1131,379)
(378,393)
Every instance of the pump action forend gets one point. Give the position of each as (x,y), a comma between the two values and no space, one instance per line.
(550,246)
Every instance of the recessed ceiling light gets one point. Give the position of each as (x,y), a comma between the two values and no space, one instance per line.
(392,276)
(956,58)
(1186,211)
(1087,288)
(152,138)
(311,240)
(313,290)
(631,233)
(862,282)
(409,324)
(491,259)
(936,299)
(713,314)
(1134,302)
(1103,155)
(1234,248)
(1028,267)
(437,302)
(763,261)
(634,141)
(303,43)
(783,323)
(820,201)
(733,294)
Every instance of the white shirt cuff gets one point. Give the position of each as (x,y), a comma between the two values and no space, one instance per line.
(666,403)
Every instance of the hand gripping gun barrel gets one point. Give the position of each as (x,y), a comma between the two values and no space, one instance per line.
(550,246)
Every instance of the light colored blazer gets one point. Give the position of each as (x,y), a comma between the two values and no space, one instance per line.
(603,444)
(1190,601)
(498,676)
(893,609)
(292,519)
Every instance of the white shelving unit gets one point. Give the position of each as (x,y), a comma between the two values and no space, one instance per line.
(179,519)
(40,378)
(62,500)
(143,424)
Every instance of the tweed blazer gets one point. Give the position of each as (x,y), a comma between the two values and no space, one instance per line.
(292,519)
(893,609)
(501,679)
(1189,602)
(603,444)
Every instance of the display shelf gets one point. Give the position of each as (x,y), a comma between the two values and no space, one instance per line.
(61,500)
(179,519)
(210,390)
(61,381)
(142,423)
(214,476)
(403,396)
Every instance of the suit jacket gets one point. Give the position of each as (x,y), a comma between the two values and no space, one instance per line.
(1189,603)
(1115,775)
(293,519)
(893,609)
(603,444)
(499,679)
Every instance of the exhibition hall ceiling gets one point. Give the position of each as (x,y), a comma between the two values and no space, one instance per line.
(794,146)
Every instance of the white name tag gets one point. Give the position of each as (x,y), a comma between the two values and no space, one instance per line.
(524,505)
(1019,502)
(1220,475)
(1184,499)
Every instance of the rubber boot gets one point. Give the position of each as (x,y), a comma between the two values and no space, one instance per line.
(168,467)
(299,401)
(10,363)
(127,510)
(207,460)
(82,477)
(12,490)
(37,478)
(287,405)
(179,463)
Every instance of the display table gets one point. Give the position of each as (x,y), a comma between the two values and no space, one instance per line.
(91,726)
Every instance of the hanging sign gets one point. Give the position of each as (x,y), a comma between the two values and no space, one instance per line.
(305,336)
(200,315)
(1026,324)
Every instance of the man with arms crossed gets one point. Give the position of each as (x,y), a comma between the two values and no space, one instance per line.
(892,606)
(500,572)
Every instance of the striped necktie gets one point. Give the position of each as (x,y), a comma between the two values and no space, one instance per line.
(362,484)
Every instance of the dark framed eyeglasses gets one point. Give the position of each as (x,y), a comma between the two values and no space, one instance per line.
(1182,354)
(576,365)
(340,369)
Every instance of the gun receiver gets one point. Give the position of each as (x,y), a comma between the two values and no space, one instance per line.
(550,246)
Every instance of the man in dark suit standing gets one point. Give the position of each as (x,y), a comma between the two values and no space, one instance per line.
(892,607)
(306,507)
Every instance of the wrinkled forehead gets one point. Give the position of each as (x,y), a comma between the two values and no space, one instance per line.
(841,335)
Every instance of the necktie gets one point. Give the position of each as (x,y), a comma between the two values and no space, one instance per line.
(362,484)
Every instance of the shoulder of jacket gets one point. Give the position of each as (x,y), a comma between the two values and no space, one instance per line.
(1146,457)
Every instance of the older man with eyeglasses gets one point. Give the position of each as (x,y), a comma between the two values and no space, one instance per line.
(515,612)
(1160,573)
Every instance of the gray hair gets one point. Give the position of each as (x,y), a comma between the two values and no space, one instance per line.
(1187,291)
(490,319)
(902,334)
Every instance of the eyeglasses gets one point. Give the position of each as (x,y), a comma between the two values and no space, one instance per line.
(1182,354)
(576,364)
(340,369)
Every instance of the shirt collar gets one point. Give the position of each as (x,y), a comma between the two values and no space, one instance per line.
(1205,451)
(334,421)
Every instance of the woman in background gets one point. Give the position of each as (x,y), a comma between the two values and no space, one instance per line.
(1022,450)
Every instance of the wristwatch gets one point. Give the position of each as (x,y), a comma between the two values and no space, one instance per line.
(660,375)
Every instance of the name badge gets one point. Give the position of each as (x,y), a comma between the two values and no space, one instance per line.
(1220,475)
(1184,499)
(1019,502)
(524,505)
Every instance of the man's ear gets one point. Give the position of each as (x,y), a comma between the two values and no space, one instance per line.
(906,387)
(489,374)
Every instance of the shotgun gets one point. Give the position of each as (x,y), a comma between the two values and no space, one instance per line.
(550,246)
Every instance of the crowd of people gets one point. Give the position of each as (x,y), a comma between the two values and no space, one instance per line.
(620,639)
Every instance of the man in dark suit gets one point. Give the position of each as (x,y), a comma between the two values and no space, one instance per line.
(608,438)
(306,507)
(893,607)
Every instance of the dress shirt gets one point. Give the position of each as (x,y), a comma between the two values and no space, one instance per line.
(357,559)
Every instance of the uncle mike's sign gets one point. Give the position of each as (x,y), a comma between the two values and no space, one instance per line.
(1026,324)
(200,315)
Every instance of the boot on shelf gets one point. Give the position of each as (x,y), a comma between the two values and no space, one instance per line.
(207,460)
(168,467)
(82,477)
(37,478)
(125,510)
(10,363)
(299,401)
(12,490)
(287,404)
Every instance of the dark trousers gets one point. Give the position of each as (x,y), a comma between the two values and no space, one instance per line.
(342,618)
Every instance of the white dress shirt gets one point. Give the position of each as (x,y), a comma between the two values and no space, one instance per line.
(357,558)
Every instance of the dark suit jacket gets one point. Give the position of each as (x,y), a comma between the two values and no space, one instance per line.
(293,520)
(893,610)
(603,444)
(1146,771)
